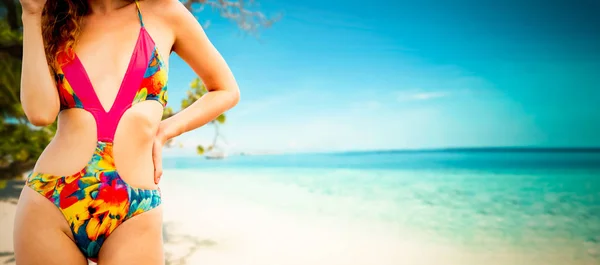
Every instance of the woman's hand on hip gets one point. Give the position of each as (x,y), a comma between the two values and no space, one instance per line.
(166,131)
(159,142)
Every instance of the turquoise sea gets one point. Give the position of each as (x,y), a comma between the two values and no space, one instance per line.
(540,202)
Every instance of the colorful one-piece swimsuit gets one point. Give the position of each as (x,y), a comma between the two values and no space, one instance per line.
(96,200)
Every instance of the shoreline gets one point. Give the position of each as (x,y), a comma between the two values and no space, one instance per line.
(207,221)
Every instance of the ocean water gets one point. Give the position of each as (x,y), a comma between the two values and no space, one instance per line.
(538,203)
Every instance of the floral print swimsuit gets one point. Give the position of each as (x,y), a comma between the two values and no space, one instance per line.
(96,200)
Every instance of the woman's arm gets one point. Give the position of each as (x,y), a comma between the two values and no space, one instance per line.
(39,96)
(193,46)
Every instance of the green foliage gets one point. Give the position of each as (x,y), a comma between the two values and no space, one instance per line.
(168,112)
(196,91)
(221,119)
(8,35)
(10,70)
(21,143)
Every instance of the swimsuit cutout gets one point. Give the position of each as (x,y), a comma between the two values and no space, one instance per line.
(96,200)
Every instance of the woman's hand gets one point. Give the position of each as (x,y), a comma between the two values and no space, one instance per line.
(166,131)
(33,7)
(159,142)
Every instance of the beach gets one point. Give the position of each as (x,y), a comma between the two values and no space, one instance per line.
(238,211)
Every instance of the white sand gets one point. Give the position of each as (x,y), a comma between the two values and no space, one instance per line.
(215,231)
(212,230)
(7,215)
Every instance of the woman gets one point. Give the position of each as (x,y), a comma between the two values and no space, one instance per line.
(93,193)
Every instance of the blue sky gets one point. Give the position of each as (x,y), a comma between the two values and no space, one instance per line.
(351,75)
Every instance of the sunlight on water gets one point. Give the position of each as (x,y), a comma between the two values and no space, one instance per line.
(511,208)
(534,212)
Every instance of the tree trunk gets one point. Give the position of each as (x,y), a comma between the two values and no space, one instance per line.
(216,124)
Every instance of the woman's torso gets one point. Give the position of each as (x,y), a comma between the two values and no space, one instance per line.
(104,48)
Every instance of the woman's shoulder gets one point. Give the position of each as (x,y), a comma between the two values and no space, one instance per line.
(171,13)
(166,8)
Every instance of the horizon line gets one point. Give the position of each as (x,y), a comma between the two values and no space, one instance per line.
(486,149)
(499,149)
(483,149)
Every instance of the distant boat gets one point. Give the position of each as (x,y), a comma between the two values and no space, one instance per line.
(216,154)
(218,151)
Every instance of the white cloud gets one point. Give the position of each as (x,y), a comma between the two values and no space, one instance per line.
(373,104)
(429,95)
(293,144)
(269,103)
(418,94)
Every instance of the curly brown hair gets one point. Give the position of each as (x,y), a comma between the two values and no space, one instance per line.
(61,25)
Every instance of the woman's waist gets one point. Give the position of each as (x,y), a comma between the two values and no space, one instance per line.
(84,124)
(71,153)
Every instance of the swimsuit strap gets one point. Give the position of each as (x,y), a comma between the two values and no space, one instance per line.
(137,4)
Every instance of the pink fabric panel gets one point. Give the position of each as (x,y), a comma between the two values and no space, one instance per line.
(107,122)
